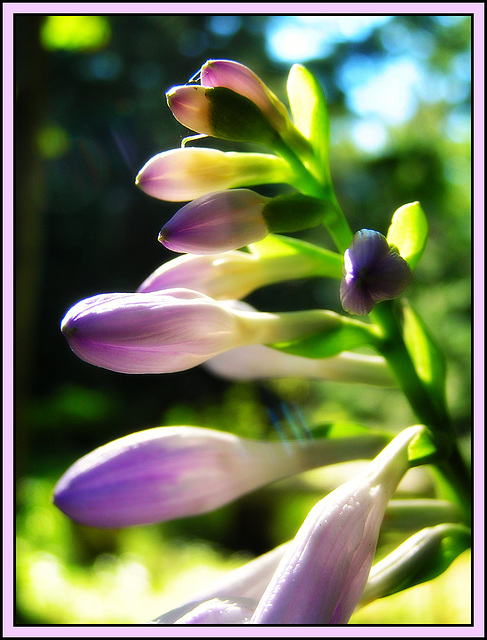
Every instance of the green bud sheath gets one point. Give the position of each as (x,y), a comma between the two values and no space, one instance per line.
(235,117)
(293,212)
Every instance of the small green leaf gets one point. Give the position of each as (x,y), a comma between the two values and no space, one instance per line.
(427,357)
(328,263)
(421,449)
(408,232)
(342,334)
(310,113)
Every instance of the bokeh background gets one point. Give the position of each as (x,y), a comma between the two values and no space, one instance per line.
(89,112)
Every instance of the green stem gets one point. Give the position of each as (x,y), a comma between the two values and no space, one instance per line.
(452,468)
(334,219)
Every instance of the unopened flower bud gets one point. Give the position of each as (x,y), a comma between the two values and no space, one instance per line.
(221,113)
(235,274)
(324,570)
(176,329)
(174,472)
(217,222)
(159,332)
(374,272)
(242,80)
(190,172)
(232,219)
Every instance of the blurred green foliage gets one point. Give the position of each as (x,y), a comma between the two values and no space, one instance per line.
(90,111)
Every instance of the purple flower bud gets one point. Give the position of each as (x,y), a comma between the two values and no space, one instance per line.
(190,172)
(242,80)
(157,332)
(222,113)
(324,570)
(175,472)
(374,271)
(217,222)
(222,276)
(175,329)
(234,274)
(189,105)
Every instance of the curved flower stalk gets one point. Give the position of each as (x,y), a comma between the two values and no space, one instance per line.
(235,274)
(177,329)
(173,472)
(191,172)
(260,362)
(374,271)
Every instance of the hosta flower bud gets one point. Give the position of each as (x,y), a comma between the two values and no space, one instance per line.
(190,172)
(174,472)
(175,329)
(149,333)
(242,80)
(374,271)
(235,274)
(232,219)
(221,113)
(324,570)
(220,221)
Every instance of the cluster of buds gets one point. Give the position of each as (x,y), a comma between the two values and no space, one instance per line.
(190,311)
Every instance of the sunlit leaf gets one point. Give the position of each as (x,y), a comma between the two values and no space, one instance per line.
(421,449)
(408,232)
(428,358)
(310,113)
(342,334)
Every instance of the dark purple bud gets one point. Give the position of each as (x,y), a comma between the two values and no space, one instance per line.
(374,271)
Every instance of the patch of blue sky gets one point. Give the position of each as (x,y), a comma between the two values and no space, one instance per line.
(302,38)
(387,90)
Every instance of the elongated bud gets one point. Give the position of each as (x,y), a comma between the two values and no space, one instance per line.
(149,333)
(374,271)
(235,274)
(221,113)
(232,219)
(174,472)
(190,172)
(324,570)
(175,329)
(218,222)
(242,80)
